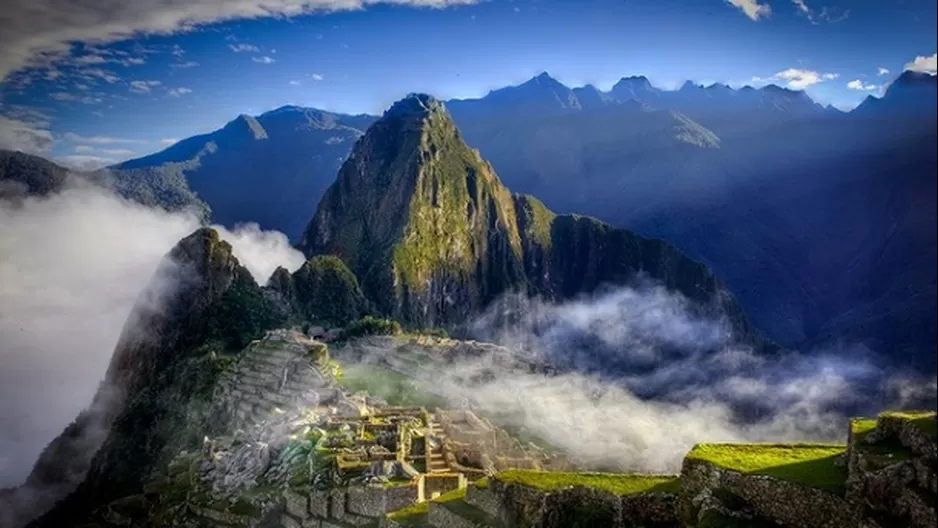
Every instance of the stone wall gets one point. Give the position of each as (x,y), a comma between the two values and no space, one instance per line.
(787,503)
(893,474)
(440,515)
(519,505)
(354,506)
(440,483)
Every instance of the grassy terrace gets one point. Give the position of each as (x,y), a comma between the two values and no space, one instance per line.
(808,464)
(925,420)
(416,514)
(617,483)
(388,385)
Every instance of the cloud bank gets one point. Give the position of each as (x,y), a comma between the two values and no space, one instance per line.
(73,266)
(923,64)
(38,32)
(639,378)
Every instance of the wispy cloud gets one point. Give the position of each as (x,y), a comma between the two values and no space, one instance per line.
(317,77)
(70,97)
(923,64)
(142,86)
(100,140)
(187,64)
(165,142)
(797,78)
(882,71)
(857,84)
(25,136)
(264,60)
(828,14)
(752,8)
(40,32)
(83,162)
(238,48)
(179,92)
(294,83)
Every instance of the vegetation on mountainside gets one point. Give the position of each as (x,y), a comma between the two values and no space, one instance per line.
(455,204)
(813,465)
(327,292)
(617,483)
(534,219)
(241,315)
(370,325)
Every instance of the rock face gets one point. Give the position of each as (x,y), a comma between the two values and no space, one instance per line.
(201,305)
(434,236)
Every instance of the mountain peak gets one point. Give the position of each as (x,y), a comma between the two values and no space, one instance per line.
(246,124)
(688,85)
(416,105)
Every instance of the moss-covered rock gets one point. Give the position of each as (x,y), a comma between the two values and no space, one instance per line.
(326,291)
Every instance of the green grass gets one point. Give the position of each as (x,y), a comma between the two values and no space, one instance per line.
(617,483)
(388,385)
(416,514)
(812,465)
(860,427)
(925,420)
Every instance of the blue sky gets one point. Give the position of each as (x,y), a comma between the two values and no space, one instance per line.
(181,72)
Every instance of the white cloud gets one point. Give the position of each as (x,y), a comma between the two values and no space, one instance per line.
(294,83)
(798,78)
(142,86)
(752,8)
(69,97)
(97,255)
(100,140)
(238,48)
(923,64)
(263,60)
(187,64)
(179,92)
(882,71)
(85,162)
(317,77)
(831,15)
(165,142)
(857,84)
(25,136)
(38,32)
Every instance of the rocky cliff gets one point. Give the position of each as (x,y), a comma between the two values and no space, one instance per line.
(435,237)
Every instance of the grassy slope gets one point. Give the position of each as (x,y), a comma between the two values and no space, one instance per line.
(808,464)
(619,484)
(388,385)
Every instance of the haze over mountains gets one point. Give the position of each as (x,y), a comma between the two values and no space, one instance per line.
(821,222)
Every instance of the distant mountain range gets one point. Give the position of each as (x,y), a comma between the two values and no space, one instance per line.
(821,222)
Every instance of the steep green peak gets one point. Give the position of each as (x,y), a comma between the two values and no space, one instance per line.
(415,210)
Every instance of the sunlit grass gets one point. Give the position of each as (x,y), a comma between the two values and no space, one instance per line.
(617,483)
(812,465)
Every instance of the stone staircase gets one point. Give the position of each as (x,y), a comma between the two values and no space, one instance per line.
(436,460)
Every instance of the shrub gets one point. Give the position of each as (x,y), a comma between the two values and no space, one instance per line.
(370,325)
